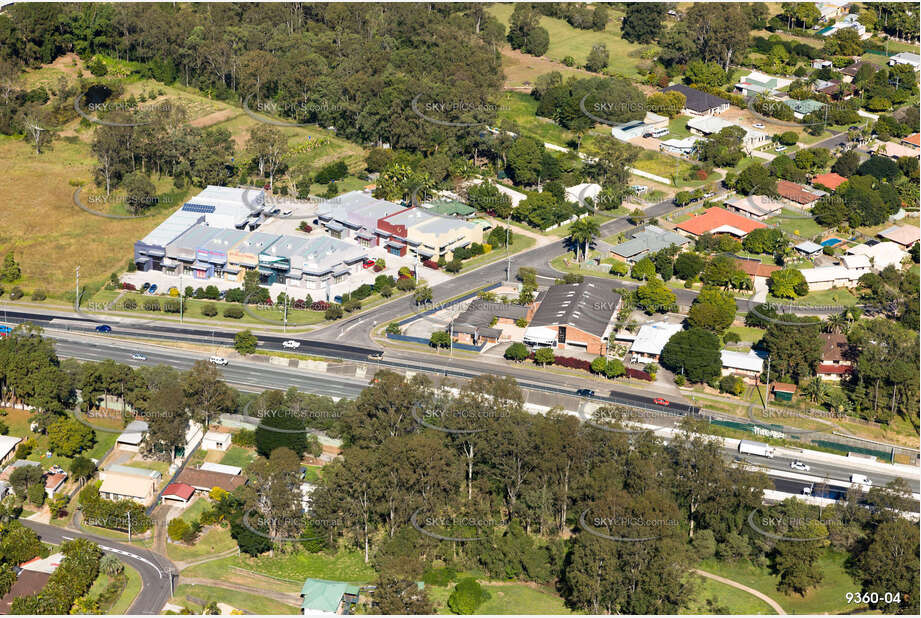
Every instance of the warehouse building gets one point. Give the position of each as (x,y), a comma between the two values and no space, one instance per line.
(574,316)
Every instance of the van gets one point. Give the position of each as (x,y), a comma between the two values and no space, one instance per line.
(217,360)
(859,479)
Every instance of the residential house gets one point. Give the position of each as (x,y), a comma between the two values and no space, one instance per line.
(830,11)
(574,316)
(912,60)
(717,220)
(881,255)
(54,482)
(451,208)
(708,125)
(809,248)
(121,486)
(628,130)
(897,151)
(650,340)
(821,63)
(19,463)
(830,181)
(804,107)
(699,103)
(323,597)
(648,240)
(836,360)
(912,141)
(798,194)
(216,441)
(222,468)
(8,446)
(483,321)
(205,480)
(755,268)
(684,147)
(747,365)
(758,83)
(655,122)
(27,583)
(836,89)
(850,72)
(858,263)
(849,21)
(904,235)
(130,439)
(578,193)
(757,207)
(516,196)
(828,277)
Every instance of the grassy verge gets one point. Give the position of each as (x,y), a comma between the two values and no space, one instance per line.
(343,566)
(214,541)
(713,597)
(834,296)
(519,243)
(506,598)
(192,595)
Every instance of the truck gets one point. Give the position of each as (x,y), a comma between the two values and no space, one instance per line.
(748,447)
(861,481)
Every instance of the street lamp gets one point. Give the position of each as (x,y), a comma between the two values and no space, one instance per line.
(180,297)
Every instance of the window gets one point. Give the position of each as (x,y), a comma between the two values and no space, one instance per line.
(561,334)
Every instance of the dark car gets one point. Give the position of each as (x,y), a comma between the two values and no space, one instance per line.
(585,392)
(103,328)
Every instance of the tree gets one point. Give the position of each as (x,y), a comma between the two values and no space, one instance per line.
(10,271)
(206,393)
(516,352)
(273,493)
(396,595)
(25,477)
(597,58)
(283,423)
(887,561)
(18,543)
(440,339)
(695,353)
(765,240)
(719,31)
(82,468)
(655,296)
(422,295)
(544,356)
(756,179)
(467,596)
(797,561)
(334,311)
(140,193)
(643,270)
(524,160)
(705,74)
(847,164)
(614,369)
(881,168)
(269,147)
(583,232)
(666,103)
(485,197)
(688,265)
(794,345)
(245,342)
(111,566)
(714,309)
(788,283)
(642,22)
(68,436)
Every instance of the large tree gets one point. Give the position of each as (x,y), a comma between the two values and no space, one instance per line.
(694,353)
(642,22)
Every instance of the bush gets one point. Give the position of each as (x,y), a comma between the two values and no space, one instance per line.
(39,295)
(788,138)
(130,304)
(679,380)
(351,305)
(731,337)
(151,304)
(177,529)
(36,494)
(430,264)
(333,312)
(393,329)
(543,356)
(406,285)
(209,310)
(453,266)
(233,312)
(171,306)
(732,385)
(245,438)
(619,268)
(439,577)
(516,352)
(467,596)
(16,293)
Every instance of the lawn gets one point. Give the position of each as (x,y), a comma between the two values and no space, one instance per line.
(312,474)
(828,597)
(519,243)
(678,128)
(522,108)
(19,420)
(506,598)
(343,566)
(250,603)
(798,226)
(660,164)
(747,333)
(238,456)
(835,296)
(568,41)
(214,541)
(724,597)
(130,591)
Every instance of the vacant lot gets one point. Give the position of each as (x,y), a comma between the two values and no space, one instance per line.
(506,598)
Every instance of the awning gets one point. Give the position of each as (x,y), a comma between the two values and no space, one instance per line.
(142,260)
(334,226)
(340,272)
(425,253)
(540,335)
(365,235)
(395,245)
(156,252)
(233,270)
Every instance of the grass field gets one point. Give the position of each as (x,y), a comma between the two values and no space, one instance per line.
(132,588)
(802,227)
(747,333)
(678,128)
(238,456)
(839,296)
(568,41)
(827,597)
(191,595)
(19,420)
(344,566)
(731,600)
(506,598)
(214,541)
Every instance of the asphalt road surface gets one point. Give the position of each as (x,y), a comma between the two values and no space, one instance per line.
(155,569)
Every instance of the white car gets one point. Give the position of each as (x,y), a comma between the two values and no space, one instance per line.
(758,125)
(780,148)
(291,343)
(218,360)
(287,212)
(798,465)
(138,357)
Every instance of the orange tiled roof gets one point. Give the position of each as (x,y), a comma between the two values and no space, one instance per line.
(832,180)
(756,269)
(714,218)
(795,192)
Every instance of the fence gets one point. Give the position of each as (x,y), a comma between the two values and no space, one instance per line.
(459,346)
(849,448)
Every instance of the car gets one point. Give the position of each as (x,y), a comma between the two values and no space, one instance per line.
(639,188)
(585,392)
(376,355)
(103,328)
(798,465)
(275,211)
(368,264)
(152,289)
(710,194)
(291,343)
(758,125)
(660,402)
(138,357)
(286,212)
(145,286)
(217,360)
(780,148)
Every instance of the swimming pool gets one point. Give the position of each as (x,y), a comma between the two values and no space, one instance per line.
(830,242)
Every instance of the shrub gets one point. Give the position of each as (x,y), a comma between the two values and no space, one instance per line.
(245,438)
(467,596)
(439,577)
(406,285)
(16,293)
(333,312)
(430,264)
(351,305)
(39,295)
(788,138)
(516,352)
(680,380)
(130,304)
(233,312)
(36,494)
(151,304)
(362,292)
(386,291)
(171,306)
(209,310)
(732,385)
(731,337)
(177,529)
(453,266)
(543,356)
(393,329)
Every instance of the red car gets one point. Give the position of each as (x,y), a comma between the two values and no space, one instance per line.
(660,401)
(368,263)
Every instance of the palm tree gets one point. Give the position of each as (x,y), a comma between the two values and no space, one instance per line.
(837,323)
(583,232)
(816,390)
(110,565)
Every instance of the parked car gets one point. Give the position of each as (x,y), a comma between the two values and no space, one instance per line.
(103,328)
(368,264)
(585,392)
(779,148)
(145,286)
(376,355)
(218,360)
(758,125)
(660,401)
(291,344)
(138,357)
(286,212)
(152,289)
(798,465)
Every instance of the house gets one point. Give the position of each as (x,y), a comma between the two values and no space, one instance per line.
(820,63)
(516,196)
(628,130)
(153,475)
(757,83)
(178,493)
(684,147)
(8,446)
(748,365)
(222,468)
(755,268)
(130,439)
(120,486)
(27,584)
(216,441)
(897,151)
(43,565)
(574,316)
(717,220)
(783,392)
(904,235)
(804,107)
(205,480)
(757,207)
(799,194)
(53,483)
(850,72)
(708,125)
(323,597)
(835,357)
(699,103)
(451,208)
(912,141)
(849,21)
(648,240)
(830,181)
(19,463)
(827,277)
(650,340)
(578,193)
(835,88)
(655,122)
(912,60)
(808,248)
(306,493)
(881,254)
(857,263)
(482,321)
(830,11)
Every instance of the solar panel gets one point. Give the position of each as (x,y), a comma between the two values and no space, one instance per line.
(203,208)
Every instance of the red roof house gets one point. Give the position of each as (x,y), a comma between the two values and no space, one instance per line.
(796,193)
(179,492)
(832,180)
(913,140)
(719,221)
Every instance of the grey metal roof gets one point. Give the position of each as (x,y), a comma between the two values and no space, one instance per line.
(480,313)
(697,100)
(189,241)
(649,240)
(586,306)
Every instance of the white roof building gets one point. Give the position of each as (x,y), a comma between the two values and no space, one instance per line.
(834,275)
(856,262)
(578,193)
(913,60)
(516,196)
(742,361)
(881,254)
(653,337)
(222,468)
(683,146)
(708,125)
(7,444)
(133,433)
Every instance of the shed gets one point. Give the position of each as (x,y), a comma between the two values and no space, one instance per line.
(178,493)
(216,441)
(807,247)
(782,391)
(323,597)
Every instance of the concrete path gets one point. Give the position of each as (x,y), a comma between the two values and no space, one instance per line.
(774,604)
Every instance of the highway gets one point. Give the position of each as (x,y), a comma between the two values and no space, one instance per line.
(155,570)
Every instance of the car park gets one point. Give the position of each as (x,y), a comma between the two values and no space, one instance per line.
(138,357)
(798,465)
(103,328)
(661,402)
(217,360)
(152,289)
(291,344)
(585,392)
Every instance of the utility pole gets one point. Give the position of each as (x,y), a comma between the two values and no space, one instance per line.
(180,298)
(285,326)
(508,257)
(768,385)
(77,291)
(129,526)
